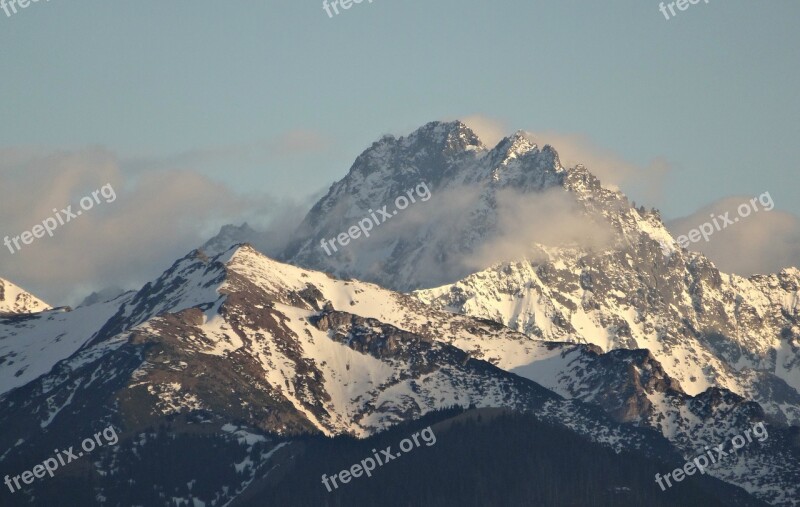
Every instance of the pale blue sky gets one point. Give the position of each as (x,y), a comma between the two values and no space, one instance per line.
(274,97)
(713,90)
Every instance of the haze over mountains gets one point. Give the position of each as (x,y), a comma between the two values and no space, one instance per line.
(520,284)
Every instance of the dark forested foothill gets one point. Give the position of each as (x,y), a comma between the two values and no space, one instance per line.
(484,457)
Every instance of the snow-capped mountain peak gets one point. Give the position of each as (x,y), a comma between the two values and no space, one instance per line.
(15,300)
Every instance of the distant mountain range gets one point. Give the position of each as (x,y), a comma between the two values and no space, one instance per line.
(520,284)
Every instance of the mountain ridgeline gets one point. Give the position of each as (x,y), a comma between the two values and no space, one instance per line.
(590,356)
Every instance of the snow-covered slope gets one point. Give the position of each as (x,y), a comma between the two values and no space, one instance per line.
(30,345)
(707,329)
(285,335)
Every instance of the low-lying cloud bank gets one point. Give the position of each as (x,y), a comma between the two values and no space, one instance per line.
(158,215)
(763,242)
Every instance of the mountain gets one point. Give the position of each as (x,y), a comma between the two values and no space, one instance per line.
(611,284)
(242,343)
(248,354)
(426,244)
(325,355)
(102,296)
(706,329)
(14,300)
(501,280)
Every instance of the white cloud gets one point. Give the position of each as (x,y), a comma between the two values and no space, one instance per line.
(763,242)
(489,130)
(158,216)
(551,218)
